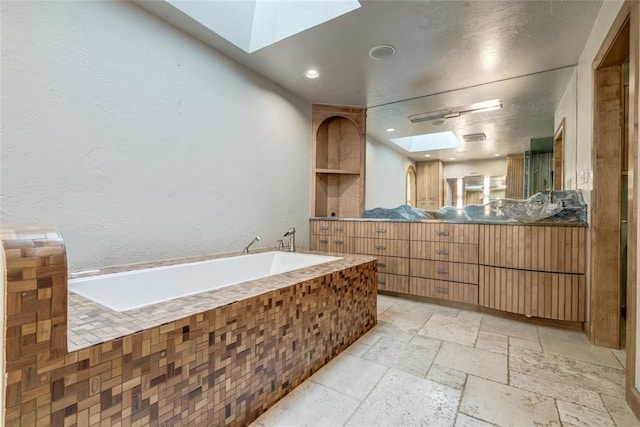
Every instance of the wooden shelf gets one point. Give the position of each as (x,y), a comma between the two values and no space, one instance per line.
(338,171)
(337,161)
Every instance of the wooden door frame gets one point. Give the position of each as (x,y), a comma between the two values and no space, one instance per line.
(558,157)
(610,53)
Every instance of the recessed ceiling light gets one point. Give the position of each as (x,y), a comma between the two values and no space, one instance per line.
(312,73)
(427,155)
(452,158)
(497,154)
(381,52)
(391,129)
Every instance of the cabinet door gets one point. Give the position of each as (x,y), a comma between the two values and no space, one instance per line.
(429,185)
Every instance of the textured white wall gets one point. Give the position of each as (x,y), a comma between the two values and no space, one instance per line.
(386,176)
(141,143)
(567,110)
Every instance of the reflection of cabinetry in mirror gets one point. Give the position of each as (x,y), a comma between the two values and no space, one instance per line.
(338,161)
(476,189)
(515,176)
(430,185)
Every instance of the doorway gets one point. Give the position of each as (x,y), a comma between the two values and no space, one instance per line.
(614,199)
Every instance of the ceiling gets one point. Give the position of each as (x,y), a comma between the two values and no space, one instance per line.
(458,51)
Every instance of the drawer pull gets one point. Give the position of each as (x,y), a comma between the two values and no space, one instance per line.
(442,271)
(441,290)
(339,228)
(324,227)
(381,282)
(338,242)
(324,241)
(382,265)
(381,230)
(380,247)
(442,252)
(442,233)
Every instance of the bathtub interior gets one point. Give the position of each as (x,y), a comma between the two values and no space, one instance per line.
(139,288)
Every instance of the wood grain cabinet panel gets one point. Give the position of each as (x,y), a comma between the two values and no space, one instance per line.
(533,293)
(437,251)
(332,228)
(539,248)
(450,233)
(325,243)
(382,230)
(449,271)
(451,291)
(393,265)
(393,282)
(382,247)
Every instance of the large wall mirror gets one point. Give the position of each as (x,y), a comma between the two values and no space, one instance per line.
(509,149)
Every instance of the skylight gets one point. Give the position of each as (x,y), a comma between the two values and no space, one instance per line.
(427,142)
(254,24)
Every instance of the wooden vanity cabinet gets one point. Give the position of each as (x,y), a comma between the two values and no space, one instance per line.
(332,236)
(430,185)
(389,241)
(444,261)
(534,270)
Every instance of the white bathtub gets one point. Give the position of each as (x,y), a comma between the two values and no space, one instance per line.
(139,288)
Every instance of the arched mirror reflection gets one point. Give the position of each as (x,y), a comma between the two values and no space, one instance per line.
(411,186)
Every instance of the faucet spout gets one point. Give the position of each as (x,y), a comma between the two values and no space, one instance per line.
(256,239)
(291,234)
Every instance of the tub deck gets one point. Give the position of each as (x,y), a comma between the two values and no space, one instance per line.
(90,323)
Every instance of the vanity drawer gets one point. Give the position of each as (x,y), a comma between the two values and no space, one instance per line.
(393,265)
(442,270)
(450,291)
(333,228)
(382,247)
(451,233)
(453,252)
(393,283)
(338,244)
(382,230)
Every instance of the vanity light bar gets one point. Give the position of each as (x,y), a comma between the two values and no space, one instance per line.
(450,113)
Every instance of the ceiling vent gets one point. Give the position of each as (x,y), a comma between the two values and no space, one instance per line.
(474,137)
(381,52)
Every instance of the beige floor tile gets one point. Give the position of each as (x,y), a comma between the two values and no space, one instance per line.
(405,318)
(392,330)
(467,421)
(619,410)
(402,399)
(431,343)
(408,357)
(357,349)
(578,349)
(493,342)
(385,302)
(599,378)
(509,327)
(454,329)
(440,309)
(350,375)
(447,376)
(525,343)
(567,334)
(481,363)
(507,406)
(581,416)
(310,404)
(370,338)
(621,355)
(557,390)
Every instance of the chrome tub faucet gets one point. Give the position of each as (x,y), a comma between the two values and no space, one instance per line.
(246,249)
(291,234)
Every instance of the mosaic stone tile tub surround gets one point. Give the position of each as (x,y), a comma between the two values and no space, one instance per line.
(219,358)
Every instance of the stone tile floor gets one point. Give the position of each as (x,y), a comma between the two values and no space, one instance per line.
(429,365)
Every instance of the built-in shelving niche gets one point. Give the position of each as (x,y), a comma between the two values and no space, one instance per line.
(338,161)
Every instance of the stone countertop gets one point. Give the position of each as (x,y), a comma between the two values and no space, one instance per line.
(89,323)
(444,221)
